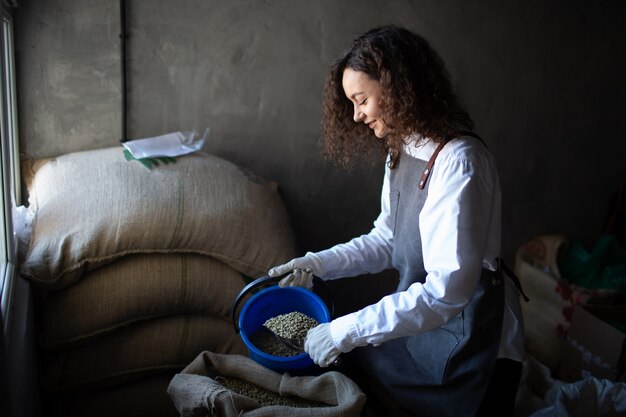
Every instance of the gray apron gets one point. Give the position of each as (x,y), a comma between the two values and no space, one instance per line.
(445,371)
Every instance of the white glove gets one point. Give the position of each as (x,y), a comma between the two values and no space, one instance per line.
(320,346)
(302,271)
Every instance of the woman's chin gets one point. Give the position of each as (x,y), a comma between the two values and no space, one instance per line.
(380,134)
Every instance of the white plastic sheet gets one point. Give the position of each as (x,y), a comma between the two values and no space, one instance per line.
(171,144)
(590,397)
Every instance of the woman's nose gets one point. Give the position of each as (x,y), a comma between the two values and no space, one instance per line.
(358,115)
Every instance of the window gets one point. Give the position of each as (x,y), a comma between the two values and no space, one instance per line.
(9,168)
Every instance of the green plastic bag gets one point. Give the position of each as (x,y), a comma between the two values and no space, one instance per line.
(604,267)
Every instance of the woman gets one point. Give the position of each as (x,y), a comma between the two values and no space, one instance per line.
(449,340)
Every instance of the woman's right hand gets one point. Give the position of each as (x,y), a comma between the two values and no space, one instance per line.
(300,271)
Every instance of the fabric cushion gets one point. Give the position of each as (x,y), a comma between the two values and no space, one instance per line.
(134,288)
(136,351)
(93,207)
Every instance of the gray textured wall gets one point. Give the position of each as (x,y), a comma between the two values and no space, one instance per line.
(544,81)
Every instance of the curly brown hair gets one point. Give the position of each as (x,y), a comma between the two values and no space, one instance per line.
(417,96)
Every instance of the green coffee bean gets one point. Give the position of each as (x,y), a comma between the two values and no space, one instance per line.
(264,396)
(294,325)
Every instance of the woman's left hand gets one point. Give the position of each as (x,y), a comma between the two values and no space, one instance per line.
(320,346)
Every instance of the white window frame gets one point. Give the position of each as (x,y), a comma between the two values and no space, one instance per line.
(19,394)
(9,172)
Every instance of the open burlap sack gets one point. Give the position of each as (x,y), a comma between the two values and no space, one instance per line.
(134,288)
(93,207)
(196,390)
(137,350)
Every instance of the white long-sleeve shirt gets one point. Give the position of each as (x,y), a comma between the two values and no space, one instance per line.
(460,231)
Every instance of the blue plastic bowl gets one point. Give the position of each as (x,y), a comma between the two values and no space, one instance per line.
(271,302)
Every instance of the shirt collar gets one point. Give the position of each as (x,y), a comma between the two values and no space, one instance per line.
(420,147)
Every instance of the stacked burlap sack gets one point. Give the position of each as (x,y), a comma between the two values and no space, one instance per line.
(135,271)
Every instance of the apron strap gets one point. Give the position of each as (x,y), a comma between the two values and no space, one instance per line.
(431,161)
(504,268)
(429,166)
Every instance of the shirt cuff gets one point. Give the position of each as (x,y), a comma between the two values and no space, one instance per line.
(344,334)
(331,263)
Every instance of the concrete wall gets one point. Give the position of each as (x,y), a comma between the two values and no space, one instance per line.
(544,81)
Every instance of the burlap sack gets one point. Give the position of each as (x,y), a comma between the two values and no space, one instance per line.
(93,207)
(146,397)
(134,288)
(196,392)
(138,350)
